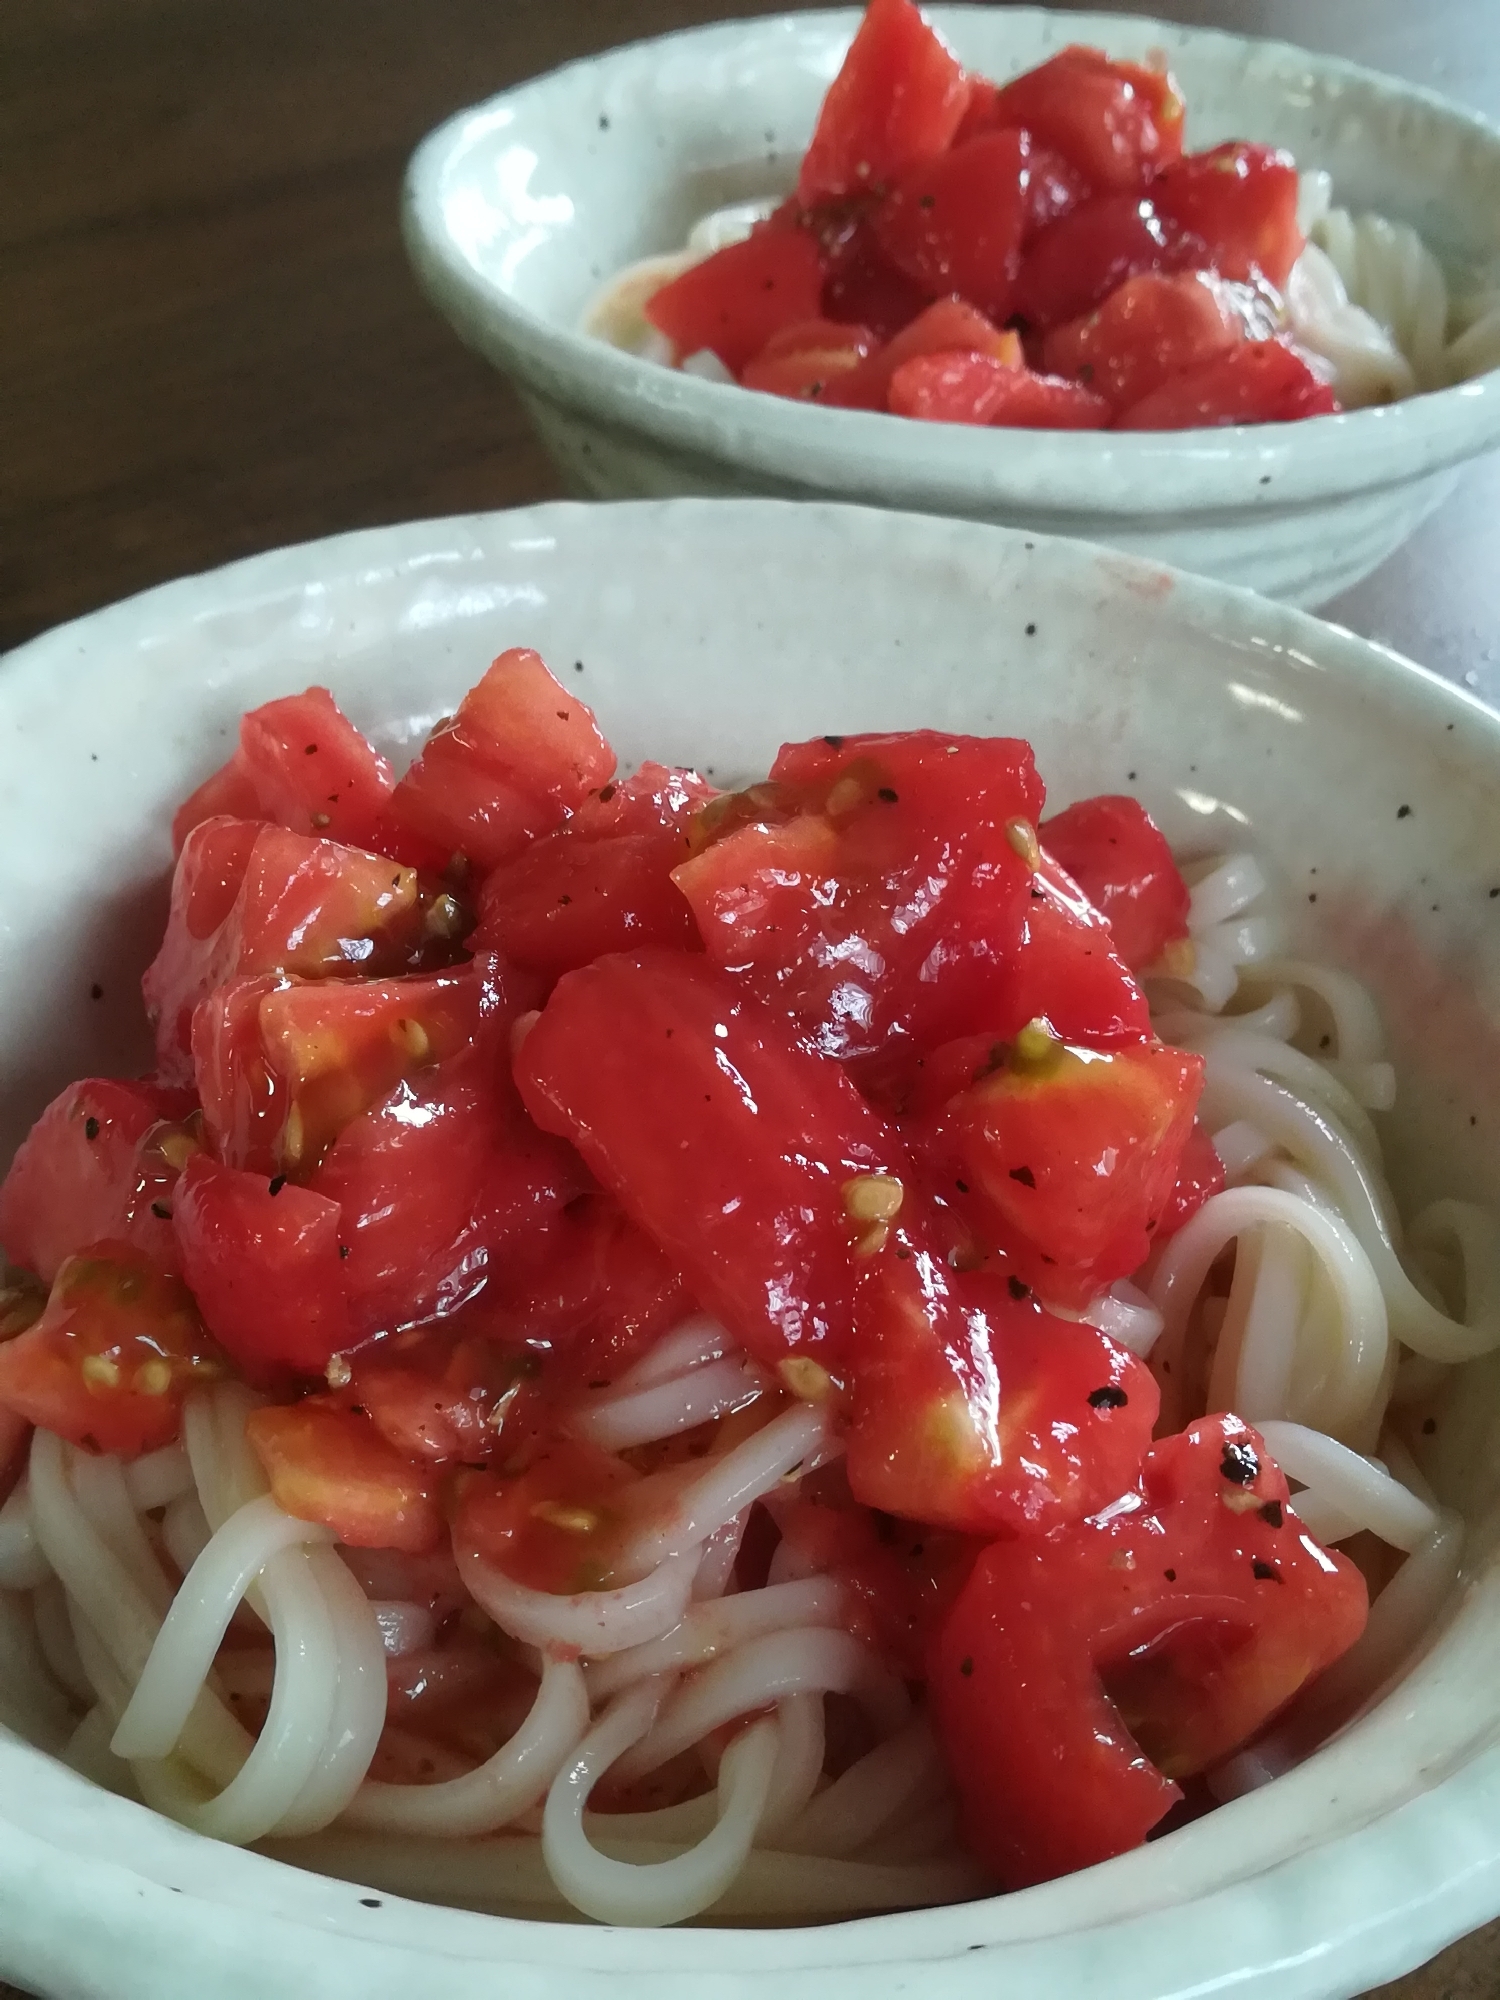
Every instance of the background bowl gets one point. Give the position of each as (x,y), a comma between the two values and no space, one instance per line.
(517,212)
(706,633)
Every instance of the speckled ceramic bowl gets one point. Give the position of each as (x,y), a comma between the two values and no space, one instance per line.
(707,632)
(518,210)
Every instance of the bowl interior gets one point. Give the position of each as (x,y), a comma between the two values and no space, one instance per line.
(708,634)
(555,186)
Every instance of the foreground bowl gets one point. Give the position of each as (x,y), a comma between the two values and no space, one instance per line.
(707,633)
(517,212)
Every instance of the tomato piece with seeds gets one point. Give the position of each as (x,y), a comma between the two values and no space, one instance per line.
(1119,857)
(329,1465)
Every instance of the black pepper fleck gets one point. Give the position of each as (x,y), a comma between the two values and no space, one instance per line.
(1024,1175)
(161,1210)
(834,742)
(1403,812)
(1239,1464)
(1031,631)
(1271,1514)
(91,1128)
(278,1182)
(966,1667)
(1019,1289)
(1108,1398)
(887,794)
(1170,1575)
(1264,1573)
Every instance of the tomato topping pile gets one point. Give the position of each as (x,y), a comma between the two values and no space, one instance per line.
(1042,254)
(472,1086)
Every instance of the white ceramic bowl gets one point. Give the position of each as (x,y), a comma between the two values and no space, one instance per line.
(707,632)
(517,211)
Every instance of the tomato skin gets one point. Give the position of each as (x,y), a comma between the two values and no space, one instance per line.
(736,299)
(1067,972)
(1120,859)
(899,97)
(953,223)
(1050,184)
(1068,1160)
(971,1404)
(248,898)
(861,286)
(107,1364)
(556,1526)
(328,1465)
(601,882)
(1150,328)
(974,389)
(1263,382)
(1240,202)
(1200,1176)
(87,1170)
(803,359)
(875,884)
(262,1259)
(717,1134)
(517,757)
(1077,261)
(1208,1580)
(948,326)
(1097,115)
(303,764)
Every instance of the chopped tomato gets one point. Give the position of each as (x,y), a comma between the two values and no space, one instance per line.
(733,301)
(899,97)
(263,1260)
(329,1465)
(1067,1158)
(248,898)
(953,223)
(1152,327)
(975,1409)
(1240,202)
(723,1138)
(1263,382)
(519,755)
(876,884)
(92,1167)
(1116,123)
(1119,857)
(861,286)
(1200,1175)
(302,763)
(1087,254)
(976,389)
(283,1066)
(1140,1647)
(557,1526)
(949,326)
(602,882)
(1067,971)
(802,360)
(109,1361)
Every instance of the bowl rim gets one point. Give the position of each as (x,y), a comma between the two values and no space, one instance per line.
(1316,458)
(1426,1868)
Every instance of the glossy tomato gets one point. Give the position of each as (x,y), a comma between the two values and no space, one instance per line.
(732,302)
(974,389)
(107,1364)
(802,360)
(557,1526)
(1117,123)
(954,223)
(899,97)
(1141,1647)
(1149,329)
(327,1464)
(1200,1175)
(1263,382)
(1077,261)
(1240,203)
(947,327)
(1119,858)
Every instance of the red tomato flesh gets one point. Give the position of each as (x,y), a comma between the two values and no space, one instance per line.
(1200,1175)
(109,1361)
(1263,382)
(975,389)
(1101,116)
(302,763)
(1141,1647)
(1080,259)
(1240,202)
(1148,330)
(954,223)
(899,97)
(519,755)
(328,1465)
(1119,857)
(734,301)
(948,326)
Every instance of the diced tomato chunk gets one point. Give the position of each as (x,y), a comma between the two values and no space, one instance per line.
(557,1526)
(107,1364)
(1150,328)
(601,882)
(900,96)
(802,360)
(1088,253)
(1141,1647)
(1100,115)
(861,286)
(248,899)
(519,755)
(262,1258)
(1065,1158)
(948,326)
(1240,202)
(1263,382)
(736,299)
(872,885)
(1200,1175)
(1120,859)
(975,1409)
(329,1465)
(302,763)
(953,223)
(722,1137)
(975,389)
(1067,971)
(90,1168)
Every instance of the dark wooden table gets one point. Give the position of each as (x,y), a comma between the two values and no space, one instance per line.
(209,343)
